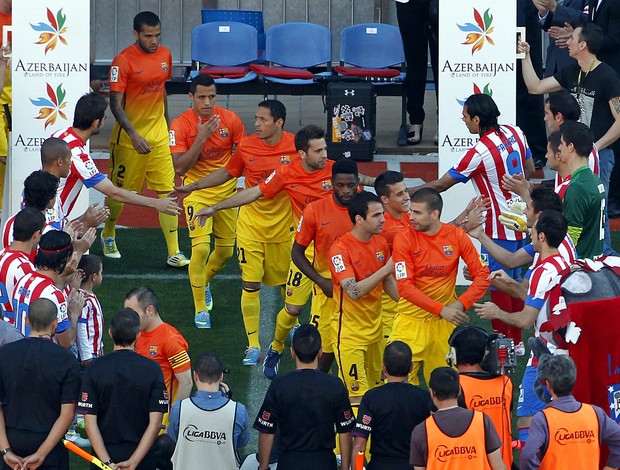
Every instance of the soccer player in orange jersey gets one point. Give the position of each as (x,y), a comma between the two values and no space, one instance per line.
(264,227)
(305,180)
(390,187)
(139,149)
(322,222)
(201,141)
(426,259)
(361,269)
(162,343)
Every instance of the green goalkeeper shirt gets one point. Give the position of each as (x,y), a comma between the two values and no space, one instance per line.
(584,203)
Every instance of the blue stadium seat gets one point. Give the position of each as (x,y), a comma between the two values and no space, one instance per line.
(374,47)
(226,47)
(294,47)
(251,17)
(374,53)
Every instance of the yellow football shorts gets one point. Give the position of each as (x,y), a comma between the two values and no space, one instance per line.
(223,224)
(129,169)
(428,340)
(359,366)
(322,314)
(263,262)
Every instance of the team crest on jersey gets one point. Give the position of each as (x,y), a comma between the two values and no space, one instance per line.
(366,419)
(153,351)
(484,259)
(354,386)
(400,269)
(380,256)
(173,138)
(326,185)
(270,177)
(338,263)
(285,159)
(114,74)
(448,250)
(224,132)
(164,66)
(613,392)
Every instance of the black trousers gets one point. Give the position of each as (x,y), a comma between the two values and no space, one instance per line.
(25,443)
(418,28)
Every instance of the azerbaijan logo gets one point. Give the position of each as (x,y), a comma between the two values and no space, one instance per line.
(480,32)
(51,32)
(477,91)
(52,105)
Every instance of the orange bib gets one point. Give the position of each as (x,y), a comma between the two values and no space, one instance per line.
(573,439)
(486,396)
(466,452)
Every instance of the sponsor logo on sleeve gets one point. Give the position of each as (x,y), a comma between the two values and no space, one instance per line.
(400,270)
(173,139)
(114,74)
(338,263)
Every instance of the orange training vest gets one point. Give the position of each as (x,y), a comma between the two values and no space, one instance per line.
(573,439)
(466,452)
(486,396)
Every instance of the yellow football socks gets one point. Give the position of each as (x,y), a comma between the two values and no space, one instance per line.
(250,309)
(284,322)
(197,273)
(219,256)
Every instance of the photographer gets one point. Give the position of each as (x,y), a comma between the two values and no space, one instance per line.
(482,390)
(212,427)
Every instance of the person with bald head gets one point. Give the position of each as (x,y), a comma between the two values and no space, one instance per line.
(39,387)
(56,160)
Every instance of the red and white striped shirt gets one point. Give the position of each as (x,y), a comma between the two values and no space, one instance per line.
(83,172)
(566,249)
(7,233)
(494,156)
(544,293)
(90,328)
(36,286)
(561,184)
(13,266)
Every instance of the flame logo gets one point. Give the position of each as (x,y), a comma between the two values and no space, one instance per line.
(51,32)
(477,91)
(51,107)
(480,32)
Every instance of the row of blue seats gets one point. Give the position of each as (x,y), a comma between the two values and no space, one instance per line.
(229,51)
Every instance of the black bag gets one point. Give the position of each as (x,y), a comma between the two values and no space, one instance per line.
(351,120)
